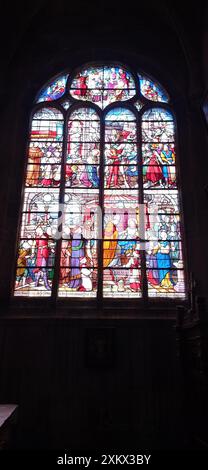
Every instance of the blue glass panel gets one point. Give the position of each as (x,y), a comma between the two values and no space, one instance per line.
(152,90)
(54,90)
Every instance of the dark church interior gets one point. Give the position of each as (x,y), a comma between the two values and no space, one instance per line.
(106,376)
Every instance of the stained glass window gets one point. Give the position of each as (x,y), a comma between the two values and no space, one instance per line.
(101,212)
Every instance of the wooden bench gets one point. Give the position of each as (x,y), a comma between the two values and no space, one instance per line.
(8,419)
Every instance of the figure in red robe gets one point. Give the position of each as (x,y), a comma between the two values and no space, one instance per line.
(42,256)
(114,169)
(154,171)
(81,86)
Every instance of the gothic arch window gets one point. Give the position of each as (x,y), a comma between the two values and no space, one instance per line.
(100,213)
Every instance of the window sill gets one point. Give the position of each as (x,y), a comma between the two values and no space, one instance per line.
(110,309)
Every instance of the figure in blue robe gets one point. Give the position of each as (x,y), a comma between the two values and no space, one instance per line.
(92,175)
(167,156)
(163,261)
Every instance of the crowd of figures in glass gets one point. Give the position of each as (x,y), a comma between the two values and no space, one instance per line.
(37,246)
(103,85)
(79,263)
(164,251)
(110,168)
(83,149)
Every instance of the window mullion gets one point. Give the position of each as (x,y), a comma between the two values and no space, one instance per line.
(141,201)
(101,220)
(61,202)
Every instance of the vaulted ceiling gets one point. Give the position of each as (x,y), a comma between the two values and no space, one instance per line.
(163,24)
